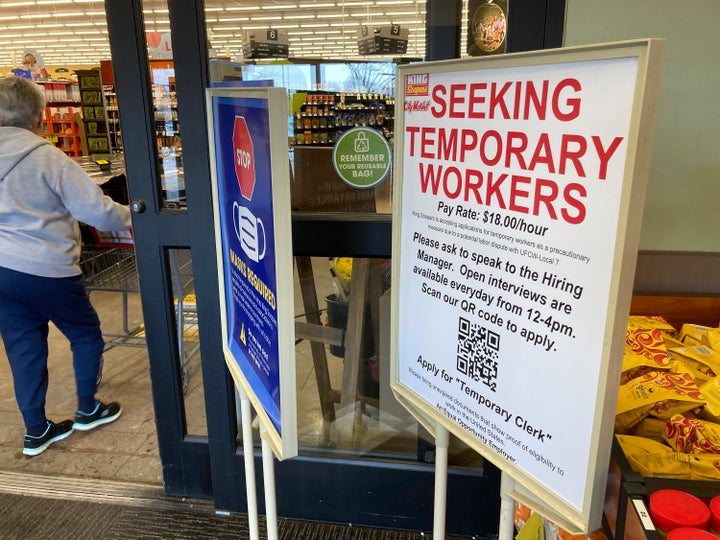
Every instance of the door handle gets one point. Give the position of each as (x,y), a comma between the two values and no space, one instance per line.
(137,206)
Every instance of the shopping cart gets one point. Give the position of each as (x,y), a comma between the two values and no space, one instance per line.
(108,264)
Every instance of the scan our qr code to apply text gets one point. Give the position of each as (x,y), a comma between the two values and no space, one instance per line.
(477,352)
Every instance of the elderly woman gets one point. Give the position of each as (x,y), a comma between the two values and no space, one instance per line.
(43,194)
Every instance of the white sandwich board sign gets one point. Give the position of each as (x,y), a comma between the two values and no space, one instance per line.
(519,189)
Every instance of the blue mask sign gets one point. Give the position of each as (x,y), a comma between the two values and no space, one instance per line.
(248,223)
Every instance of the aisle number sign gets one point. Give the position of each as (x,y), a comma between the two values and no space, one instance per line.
(252,208)
(518,202)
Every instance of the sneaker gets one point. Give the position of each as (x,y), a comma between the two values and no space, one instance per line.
(101,414)
(32,446)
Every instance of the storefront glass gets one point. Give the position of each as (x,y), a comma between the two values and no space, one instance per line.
(345,404)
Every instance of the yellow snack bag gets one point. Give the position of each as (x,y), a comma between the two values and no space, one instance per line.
(711,338)
(649,322)
(651,458)
(634,373)
(658,393)
(670,407)
(692,333)
(626,421)
(692,436)
(701,354)
(671,342)
(699,371)
(650,428)
(711,392)
(645,348)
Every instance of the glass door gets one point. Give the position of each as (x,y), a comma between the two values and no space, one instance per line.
(143,74)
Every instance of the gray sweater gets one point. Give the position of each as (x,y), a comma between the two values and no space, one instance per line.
(43,195)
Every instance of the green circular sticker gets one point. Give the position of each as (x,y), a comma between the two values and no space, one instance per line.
(362,158)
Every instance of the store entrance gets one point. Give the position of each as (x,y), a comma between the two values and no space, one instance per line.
(351,469)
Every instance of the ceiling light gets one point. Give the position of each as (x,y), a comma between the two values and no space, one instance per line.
(390,13)
(280,6)
(254,27)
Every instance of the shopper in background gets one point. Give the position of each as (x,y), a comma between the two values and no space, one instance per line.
(43,195)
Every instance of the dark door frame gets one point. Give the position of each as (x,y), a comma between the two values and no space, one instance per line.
(314,487)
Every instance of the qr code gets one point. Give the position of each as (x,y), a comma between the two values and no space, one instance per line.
(478,350)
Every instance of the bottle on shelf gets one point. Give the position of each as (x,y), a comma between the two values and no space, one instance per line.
(325,116)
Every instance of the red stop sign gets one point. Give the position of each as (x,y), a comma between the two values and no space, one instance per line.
(244,156)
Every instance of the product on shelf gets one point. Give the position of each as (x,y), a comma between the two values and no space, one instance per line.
(95,123)
(325,116)
(672,509)
(669,400)
(715,514)
(61,129)
(691,533)
(59,124)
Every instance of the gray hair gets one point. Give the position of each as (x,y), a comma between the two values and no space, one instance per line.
(22,103)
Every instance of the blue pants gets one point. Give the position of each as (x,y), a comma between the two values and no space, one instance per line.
(27,304)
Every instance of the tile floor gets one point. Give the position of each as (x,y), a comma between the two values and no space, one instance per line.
(125,450)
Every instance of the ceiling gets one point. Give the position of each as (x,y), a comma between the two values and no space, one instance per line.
(74,32)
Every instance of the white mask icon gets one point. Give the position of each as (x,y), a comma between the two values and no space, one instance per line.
(250,231)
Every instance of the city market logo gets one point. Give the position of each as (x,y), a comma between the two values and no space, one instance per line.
(417,84)
(417,105)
